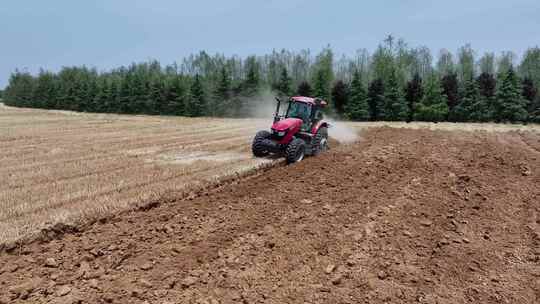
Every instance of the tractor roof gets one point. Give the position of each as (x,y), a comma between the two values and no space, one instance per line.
(308,100)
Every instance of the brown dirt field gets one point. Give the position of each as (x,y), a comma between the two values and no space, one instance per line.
(404,216)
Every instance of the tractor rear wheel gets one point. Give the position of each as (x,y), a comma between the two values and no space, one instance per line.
(295,151)
(320,141)
(257,147)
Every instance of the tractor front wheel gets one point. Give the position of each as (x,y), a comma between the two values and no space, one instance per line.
(295,151)
(257,147)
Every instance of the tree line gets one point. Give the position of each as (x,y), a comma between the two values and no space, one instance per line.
(394,83)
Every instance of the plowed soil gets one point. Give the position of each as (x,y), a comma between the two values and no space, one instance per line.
(404,216)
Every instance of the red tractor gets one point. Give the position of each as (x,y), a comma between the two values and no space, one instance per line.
(300,131)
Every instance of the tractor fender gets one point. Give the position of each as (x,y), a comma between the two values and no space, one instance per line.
(319,125)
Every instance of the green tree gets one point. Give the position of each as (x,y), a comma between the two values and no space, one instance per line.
(376,99)
(177,97)
(434,105)
(323,74)
(463,112)
(534,111)
(395,106)
(222,93)
(510,104)
(251,84)
(304,89)
(487,84)
(340,96)
(466,63)
(530,65)
(413,94)
(530,93)
(284,84)
(357,108)
(450,86)
(383,61)
(197,100)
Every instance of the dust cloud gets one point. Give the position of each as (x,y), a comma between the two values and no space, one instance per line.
(341,132)
(262,106)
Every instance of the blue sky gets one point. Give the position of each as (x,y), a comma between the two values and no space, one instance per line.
(109,33)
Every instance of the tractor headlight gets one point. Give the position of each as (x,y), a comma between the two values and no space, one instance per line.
(281,133)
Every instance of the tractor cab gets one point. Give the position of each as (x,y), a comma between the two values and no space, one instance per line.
(309,110)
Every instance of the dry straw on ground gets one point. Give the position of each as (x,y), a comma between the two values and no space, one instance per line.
(64,167)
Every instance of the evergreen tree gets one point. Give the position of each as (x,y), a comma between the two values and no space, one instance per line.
(534,111)
(176,99)
(304,89)
(323,74)
(395,106)
(376,99)
(197,101)
(251,84)
(434,105)
(222,94)
(487,84)
(413,94)
(465,110)
(284,84)
(450,87)
(510,104)
(340,96)
(530,93)
(357,108)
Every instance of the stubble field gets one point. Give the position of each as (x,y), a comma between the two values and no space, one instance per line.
(60,167)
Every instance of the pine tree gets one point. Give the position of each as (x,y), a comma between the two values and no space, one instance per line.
(251,84)
(510,104)
(450,87)
(176,100)
(157,97)
(376,99)
(534,111)
(321,86)
(434,105)
(357,108)
(304,89)
(340,96)
(323,74)
(395,106)
(465,110)
(284,84)
(414,94)
(486,84)
(222,93)
(530,93)
(197,101)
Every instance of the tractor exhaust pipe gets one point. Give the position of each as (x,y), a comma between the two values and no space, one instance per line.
(276,115)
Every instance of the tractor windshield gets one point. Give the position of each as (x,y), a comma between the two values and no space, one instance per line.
(299,110)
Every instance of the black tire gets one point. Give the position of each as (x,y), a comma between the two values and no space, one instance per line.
(296,151)
(320,141)
(257,147)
